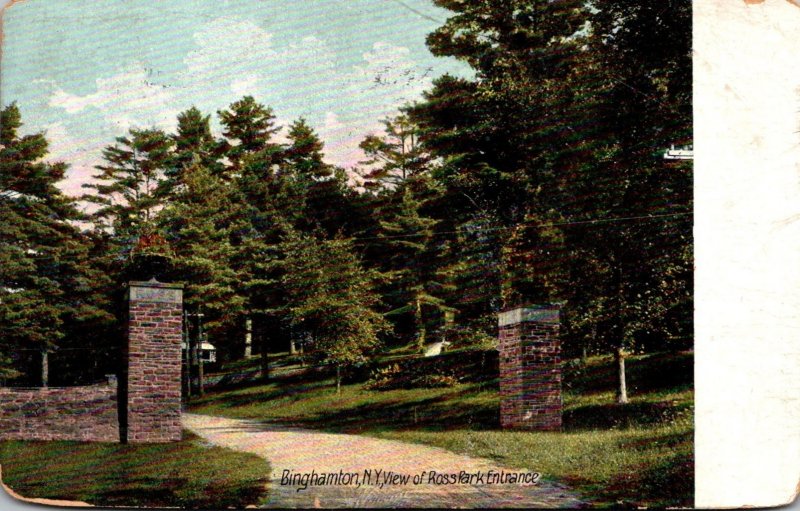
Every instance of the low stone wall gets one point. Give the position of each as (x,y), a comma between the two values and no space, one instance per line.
(87,414)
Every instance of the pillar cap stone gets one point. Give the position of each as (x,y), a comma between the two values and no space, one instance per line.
(546,313)
(154,291)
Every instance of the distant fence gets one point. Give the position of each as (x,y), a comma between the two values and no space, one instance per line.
(86,413)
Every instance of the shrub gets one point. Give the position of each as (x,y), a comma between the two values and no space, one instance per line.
(384,378)
(429,381)
(407,376)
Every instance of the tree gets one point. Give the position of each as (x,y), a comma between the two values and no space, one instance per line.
(198,222)
(126,191)
(194,143)
(255,161)
(411,261)
(304,154)
(394,157)
(646,106)
(562,128)
(332,297)
(249,128)
(49,286)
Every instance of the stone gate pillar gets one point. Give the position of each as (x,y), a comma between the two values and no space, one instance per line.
(151,404)
(530,368)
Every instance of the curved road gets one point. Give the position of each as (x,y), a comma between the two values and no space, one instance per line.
(301,451)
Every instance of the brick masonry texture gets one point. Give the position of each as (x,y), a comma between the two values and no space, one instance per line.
(530,372)
(87,414)
(154,364)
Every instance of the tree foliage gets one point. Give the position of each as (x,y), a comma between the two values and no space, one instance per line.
(49,287)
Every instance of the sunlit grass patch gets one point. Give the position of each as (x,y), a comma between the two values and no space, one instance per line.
(184,474)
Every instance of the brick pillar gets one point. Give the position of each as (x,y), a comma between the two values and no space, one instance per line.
(152,399)
(530,368)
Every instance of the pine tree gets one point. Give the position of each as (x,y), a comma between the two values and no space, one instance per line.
(194,142)
(394,157)
(249,127)
(410,262)
(128,185)
(305,152)
(48,282)
(198,222)
(255,159)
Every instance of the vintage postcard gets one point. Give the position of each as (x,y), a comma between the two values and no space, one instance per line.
(391,253)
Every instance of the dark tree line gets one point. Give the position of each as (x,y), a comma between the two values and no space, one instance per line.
(539,180)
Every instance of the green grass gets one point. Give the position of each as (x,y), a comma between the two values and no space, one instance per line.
(184,474)
(638,454)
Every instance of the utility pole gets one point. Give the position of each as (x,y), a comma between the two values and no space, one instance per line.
(200,338)
(195,348)
(187,361)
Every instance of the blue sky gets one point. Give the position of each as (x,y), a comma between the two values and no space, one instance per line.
(85,71)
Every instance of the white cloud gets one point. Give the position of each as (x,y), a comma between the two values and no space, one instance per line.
(226,48)
(390,70)
(245,86)
(341,141)
(82,156)
(128,98)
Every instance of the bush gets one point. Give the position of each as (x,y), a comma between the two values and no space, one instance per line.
(384,378)
(408,376)
(461,337)
(430,381)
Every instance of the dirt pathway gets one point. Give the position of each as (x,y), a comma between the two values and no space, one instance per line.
(302,451)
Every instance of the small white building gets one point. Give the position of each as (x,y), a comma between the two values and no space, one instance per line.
(208,352)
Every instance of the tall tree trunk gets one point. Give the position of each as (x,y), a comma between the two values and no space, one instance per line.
(592,340)
(622,391)
(248,337)
(338,379)
(194,383)
(45,368)
(619,353)
(292,346)
(264,363)
(264,350)
(420,324)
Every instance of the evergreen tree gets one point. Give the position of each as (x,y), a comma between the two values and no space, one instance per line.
(49,286)
(126,191)
(410,262)
(198,221)
(394,157)
(255,160)
(304,154)
(249,127)
(194,142)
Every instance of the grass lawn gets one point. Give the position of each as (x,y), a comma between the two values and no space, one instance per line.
(184,474)
(637,454)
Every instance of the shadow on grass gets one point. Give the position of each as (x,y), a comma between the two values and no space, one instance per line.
(651,373)
(668,483)
(434,414)
(145,491)
(227,400)
(170,492)
(622,416)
